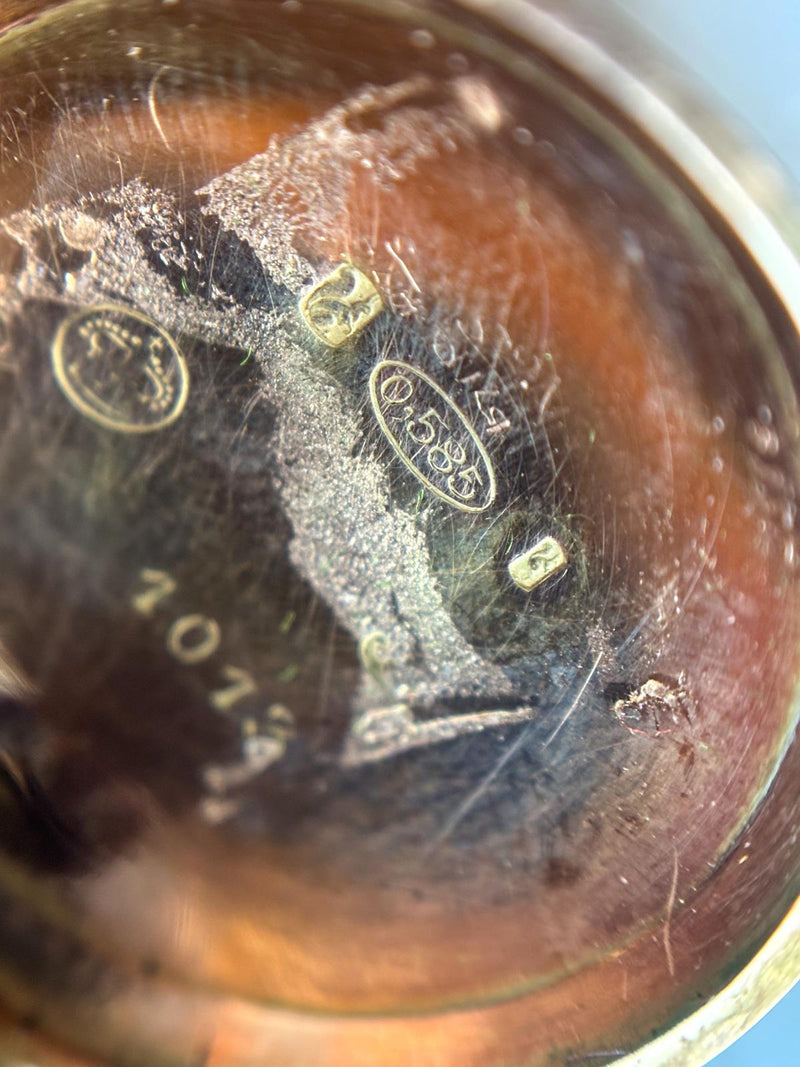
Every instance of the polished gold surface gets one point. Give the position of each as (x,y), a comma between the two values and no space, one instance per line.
(424,689)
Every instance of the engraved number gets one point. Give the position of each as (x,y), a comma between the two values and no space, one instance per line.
(192,638)
(161,585)
(469,479)
(280,723)
(396,389)
(241,685)
(205,643)
(443,458)
(427,421)
(446,352)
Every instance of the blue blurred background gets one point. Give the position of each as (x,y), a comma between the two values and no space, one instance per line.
(747,52)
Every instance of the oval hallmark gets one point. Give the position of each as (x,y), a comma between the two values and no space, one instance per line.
(120,369)
(432,436)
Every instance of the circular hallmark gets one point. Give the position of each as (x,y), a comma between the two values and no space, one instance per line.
(432,436)
(120,369)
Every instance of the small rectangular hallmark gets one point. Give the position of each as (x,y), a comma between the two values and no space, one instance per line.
(531,567)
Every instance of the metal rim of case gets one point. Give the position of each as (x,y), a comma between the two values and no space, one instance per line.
(753,199)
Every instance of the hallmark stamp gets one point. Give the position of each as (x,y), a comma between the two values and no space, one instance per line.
(341,305)
(80,231)
(120,369)
(535,565)
(432,436)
